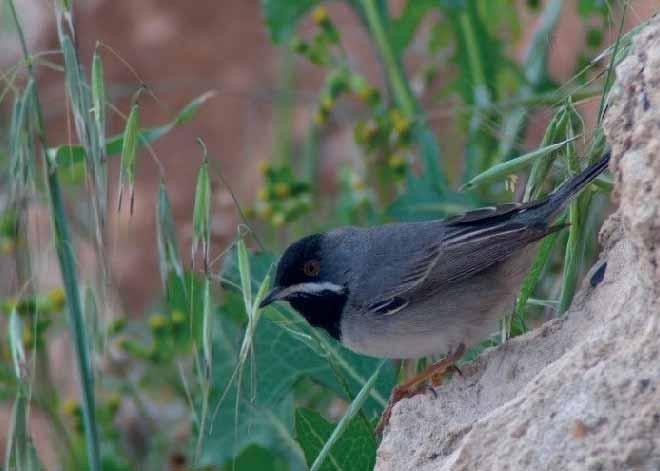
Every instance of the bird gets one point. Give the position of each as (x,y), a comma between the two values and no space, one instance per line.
(408,290)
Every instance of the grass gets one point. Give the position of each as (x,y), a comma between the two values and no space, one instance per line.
(258,387)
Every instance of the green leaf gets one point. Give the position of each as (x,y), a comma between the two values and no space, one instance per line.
(128,157)
(207,326)
(405,26)
(16,343)
(98,97)
(21,141)
(355,450)
(257,458)
(342,427)
(169,258)
(421,202)
(573,255)
(285,350)
(202,213)
(244,272)
(534,275)
(66,155)
(282,16)
(243,419)
(514,165)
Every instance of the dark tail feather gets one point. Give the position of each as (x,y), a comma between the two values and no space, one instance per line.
(560,198)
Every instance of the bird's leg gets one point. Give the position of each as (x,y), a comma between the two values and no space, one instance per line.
(416,385)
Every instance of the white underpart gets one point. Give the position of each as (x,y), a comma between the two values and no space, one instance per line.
(311,288)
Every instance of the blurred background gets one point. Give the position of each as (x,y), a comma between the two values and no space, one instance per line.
(264,112)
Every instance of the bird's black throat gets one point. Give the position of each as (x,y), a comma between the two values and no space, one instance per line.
(322,311)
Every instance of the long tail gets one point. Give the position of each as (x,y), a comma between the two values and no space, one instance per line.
(558,200)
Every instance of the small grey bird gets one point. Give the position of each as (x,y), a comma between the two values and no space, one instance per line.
(408,290)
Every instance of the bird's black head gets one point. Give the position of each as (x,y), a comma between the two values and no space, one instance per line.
(310,283)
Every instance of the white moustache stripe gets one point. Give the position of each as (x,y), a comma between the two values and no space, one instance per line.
(311,288)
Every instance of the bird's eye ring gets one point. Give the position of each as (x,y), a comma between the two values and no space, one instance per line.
(312,268)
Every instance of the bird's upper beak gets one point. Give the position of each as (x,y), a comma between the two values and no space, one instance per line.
(275,295)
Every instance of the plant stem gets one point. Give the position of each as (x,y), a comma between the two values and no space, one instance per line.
(402,93)
(404,97)
(64,249)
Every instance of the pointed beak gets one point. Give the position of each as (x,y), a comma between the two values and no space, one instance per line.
(274,295)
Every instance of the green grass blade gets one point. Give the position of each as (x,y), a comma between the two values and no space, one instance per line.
(352,410)
(64,248)
(202,211)
(402,93)
(573,254)
(98,95)
(169,258)
(244,271)
(514,165)
(535,72)
(67,155)
(16,344)
(99,103)
(555,131)
(207,328)
(535,272)
(128,157)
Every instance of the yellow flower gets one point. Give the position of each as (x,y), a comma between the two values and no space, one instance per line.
(320,117)
(282,190)
(7,246)
(320,16)
(278,219)
(178,317)
(57,299)
(400,123)
(157,322)
(396,162)
(263,166)
(70,407)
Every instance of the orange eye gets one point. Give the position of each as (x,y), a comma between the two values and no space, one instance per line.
(312,268)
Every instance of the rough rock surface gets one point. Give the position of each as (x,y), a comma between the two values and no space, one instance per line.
(581,392)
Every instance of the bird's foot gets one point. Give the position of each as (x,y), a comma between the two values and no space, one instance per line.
(434,374)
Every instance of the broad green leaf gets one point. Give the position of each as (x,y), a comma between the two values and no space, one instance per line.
(243,419)
(66,155)
(257,458)
(405,26)
(286,349)
(338,434)
(282,16)
(355,450)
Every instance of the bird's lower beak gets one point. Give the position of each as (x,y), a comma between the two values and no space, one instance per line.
(274,295)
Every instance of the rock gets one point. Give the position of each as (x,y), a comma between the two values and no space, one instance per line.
(581,392)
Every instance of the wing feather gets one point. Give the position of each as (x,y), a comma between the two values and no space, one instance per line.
(463,251)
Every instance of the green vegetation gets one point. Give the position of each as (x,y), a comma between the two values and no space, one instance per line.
(263,390)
